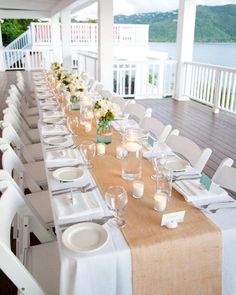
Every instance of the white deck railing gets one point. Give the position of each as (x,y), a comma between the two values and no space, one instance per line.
(87,34)
(26,59)
(23,41)
(138,79)
(211,85)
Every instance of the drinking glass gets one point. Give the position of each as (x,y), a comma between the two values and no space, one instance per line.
(88,151)
(164,182)
(72,125)
(158,165)
(116,200)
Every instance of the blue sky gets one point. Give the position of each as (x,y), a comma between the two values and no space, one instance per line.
(136,6)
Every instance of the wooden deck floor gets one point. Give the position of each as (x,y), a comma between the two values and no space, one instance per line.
(194,120)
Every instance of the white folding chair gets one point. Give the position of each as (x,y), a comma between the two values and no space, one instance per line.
(27,152)
(30,121)
(29,95)
(39,200)
(190,150)
(225,175)
(28,135)
(15,96)
(120,101)
(37,270)
(106,93)
(136,111)
(32,174)
(157,128)
(98,88)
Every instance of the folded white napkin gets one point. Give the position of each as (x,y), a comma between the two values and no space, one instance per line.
(192,191)
(52,114)
(155,151)
(67,155)
(49,102)
(54,130)
(122,125)
(84,204)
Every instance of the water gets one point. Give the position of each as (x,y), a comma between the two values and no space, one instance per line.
(223,54)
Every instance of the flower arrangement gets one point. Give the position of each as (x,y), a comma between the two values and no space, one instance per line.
(56,66)
(105,110)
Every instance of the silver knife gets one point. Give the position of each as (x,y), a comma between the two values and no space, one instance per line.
(100,221)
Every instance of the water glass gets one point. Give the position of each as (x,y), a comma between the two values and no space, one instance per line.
(164,182)
(88,151)
(116,199)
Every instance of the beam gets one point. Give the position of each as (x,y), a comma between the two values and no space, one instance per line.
(23,14)
(71,5)
(82,6)
(27,5)
(185,41)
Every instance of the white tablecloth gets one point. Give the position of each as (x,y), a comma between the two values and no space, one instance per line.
(108,271)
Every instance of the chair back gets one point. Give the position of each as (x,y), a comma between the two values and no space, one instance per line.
(106,94)
(120,101)
(12,203)
(10,135)
(190,150)
(13,165)
(136,111)
(225,175)
(157,128)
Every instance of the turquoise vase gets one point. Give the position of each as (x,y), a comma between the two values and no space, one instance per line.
(104,132)
(75,104)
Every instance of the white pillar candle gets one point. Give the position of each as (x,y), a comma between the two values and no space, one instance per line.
(138,189)
(101,149)
(88,127)
(119,152)
(160,202)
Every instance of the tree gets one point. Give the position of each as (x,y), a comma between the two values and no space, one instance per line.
(12,28)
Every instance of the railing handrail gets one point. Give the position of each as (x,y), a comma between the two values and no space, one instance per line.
(17,40)
(211,66)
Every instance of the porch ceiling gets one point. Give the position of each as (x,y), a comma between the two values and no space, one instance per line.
(39,8)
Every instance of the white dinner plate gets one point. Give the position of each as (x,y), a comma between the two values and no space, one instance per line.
(55,140)
(50,120)
(68,174)
(176,164)
(85,237)
(49,108)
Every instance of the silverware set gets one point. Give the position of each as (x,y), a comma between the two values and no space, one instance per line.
(186,177)
(213,211)
(83,189)
(58,167)
(101,221)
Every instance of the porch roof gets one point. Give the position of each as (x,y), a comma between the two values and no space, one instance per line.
(40,8)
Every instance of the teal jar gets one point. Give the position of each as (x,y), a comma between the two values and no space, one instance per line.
(104,132)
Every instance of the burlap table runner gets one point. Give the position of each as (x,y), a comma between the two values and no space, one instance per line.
(182,261)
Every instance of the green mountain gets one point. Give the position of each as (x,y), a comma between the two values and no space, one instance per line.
(213,24)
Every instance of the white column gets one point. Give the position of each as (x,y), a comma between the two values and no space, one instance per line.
(56,38)
(2,63)
(105,43)
(185,41)
(1,33)
(66,39)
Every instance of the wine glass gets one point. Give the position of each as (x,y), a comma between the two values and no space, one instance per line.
(72,125)
(116,200)
(88,151)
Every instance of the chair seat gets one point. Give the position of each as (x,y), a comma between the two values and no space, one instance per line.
(37,171)
(43,262)
(40,201)
(32,121)
(35,150)
(32,111)
(34,135)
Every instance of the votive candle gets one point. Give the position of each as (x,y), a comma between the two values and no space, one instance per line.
(101,149)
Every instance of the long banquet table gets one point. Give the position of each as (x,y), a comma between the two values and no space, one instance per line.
(143,257)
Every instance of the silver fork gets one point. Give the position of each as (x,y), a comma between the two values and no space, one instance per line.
(215,210)
(207,205)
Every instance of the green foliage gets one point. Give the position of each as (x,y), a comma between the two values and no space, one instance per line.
(12,28)
(213,24)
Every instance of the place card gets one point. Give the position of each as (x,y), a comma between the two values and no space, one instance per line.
(206,182)
(151,140)
(174,217)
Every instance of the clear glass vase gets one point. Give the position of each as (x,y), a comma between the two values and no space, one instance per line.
(104,132)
